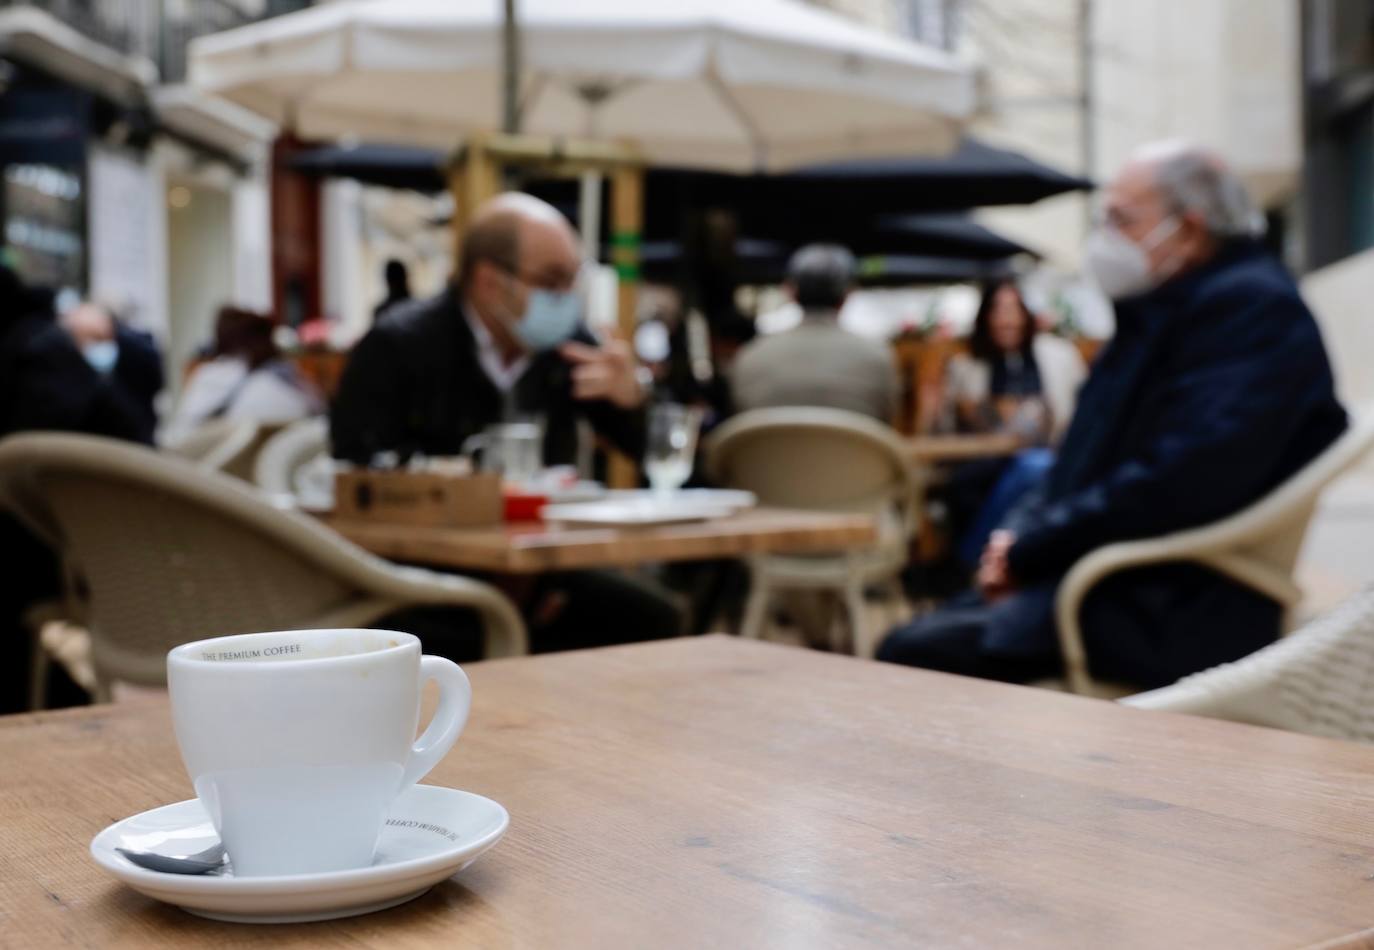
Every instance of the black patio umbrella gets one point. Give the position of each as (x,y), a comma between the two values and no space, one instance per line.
(924,235)
(756,262)
(975,175)
(764,263)
(895,210)
(944,235)
(906,270)
(972,176)
(392,166)
(820,201)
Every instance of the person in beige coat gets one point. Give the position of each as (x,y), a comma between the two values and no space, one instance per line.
(817,362)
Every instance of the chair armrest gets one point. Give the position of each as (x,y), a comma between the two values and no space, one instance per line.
(411,586)
(1201,545)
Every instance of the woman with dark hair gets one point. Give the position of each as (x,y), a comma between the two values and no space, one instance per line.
(246,379)
(1013,378)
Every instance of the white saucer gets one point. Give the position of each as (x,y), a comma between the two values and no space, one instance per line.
(432,833)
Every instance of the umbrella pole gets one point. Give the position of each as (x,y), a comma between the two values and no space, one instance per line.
(510,71)
(627,225)
(589,214)
(474,177)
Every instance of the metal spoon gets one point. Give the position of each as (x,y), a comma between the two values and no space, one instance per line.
(202,862)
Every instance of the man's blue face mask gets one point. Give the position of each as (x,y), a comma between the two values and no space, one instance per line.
(551,318)
(102,355)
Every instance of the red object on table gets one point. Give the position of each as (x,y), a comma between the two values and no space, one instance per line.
(521,507)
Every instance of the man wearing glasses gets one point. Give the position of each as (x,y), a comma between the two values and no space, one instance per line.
(505,341)
(1215,389)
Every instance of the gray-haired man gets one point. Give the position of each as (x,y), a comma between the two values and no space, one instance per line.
(1215,389)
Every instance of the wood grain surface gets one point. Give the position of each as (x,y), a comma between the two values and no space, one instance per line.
(534,547)
(718,793)
(948,449)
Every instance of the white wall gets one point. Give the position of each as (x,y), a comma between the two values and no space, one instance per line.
(252,227)
(1340,297)
(200,279)
(341,226)
(1224,73)
(127,238)
(215,250)
(363,228)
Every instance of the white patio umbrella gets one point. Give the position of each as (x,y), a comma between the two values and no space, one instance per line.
(728,84)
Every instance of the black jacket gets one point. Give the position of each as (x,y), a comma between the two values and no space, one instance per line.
(45,383)
(1215,390)
(414,384)
(139,372)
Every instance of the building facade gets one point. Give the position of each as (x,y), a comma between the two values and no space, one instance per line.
(1338,200)
(120,182)
(1080,83)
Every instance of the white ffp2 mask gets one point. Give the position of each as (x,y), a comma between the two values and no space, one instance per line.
(1120,266)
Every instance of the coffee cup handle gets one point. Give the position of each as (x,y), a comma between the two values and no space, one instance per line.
(455,699)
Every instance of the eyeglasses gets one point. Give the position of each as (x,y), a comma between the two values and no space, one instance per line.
(1125,217)
(553,282)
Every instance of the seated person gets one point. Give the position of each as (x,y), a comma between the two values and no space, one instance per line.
(397,280)
(45,384)
(127,358)
(1013,379)
(246,379)
(1215,390)
(817,362)
(505,339)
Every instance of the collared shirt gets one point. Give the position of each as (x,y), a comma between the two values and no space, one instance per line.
(503,376)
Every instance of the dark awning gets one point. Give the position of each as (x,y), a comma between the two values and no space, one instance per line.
(764,263)
(907,270)
(975,175)
(391,166)
(948,235)
(44,126)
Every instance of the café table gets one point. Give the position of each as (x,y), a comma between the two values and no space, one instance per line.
(931,450)
(534,547)
(713,792)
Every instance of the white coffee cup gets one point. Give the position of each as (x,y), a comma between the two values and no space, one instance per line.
(297,742)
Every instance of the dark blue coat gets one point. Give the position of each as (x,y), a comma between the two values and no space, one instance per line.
(1215,389)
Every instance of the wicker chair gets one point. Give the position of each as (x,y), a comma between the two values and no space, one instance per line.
(826,460)
(1318,680)
(171,553)
(220,445)
(287,453)
(1257,547)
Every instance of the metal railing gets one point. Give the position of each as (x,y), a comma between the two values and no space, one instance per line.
(157,29)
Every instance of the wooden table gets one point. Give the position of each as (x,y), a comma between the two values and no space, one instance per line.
(719,793)
(531,548)
(948,449)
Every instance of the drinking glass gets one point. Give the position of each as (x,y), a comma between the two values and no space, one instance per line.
(672,446)
(514,450)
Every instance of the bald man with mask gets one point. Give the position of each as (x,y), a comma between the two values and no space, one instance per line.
(504,340)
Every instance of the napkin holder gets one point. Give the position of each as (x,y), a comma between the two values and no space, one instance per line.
(453,499)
